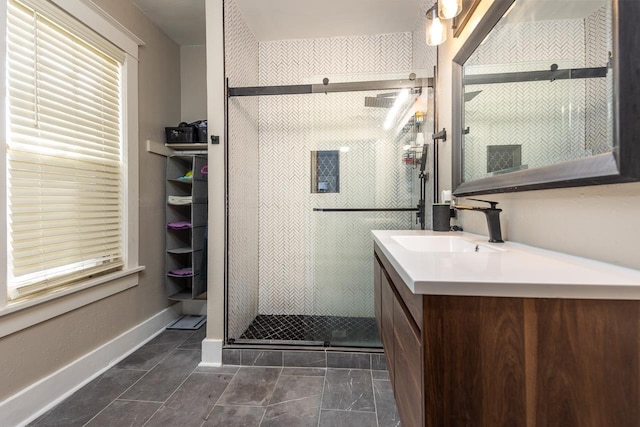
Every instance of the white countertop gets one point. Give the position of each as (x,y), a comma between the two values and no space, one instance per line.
(515,271)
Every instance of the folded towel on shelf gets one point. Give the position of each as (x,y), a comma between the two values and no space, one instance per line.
(187,176)
(179,200)
(179,225)
(182,272)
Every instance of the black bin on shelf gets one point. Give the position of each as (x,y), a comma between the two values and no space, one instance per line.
(201,132)
(183,134)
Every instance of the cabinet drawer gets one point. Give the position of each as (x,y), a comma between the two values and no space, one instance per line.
(408,369)
(386,309)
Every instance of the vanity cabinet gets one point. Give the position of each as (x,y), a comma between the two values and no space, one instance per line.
(505,361)
(401,339)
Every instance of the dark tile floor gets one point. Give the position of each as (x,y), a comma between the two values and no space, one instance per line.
(330,331)
(161,385)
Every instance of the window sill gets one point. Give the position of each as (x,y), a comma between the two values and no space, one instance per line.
(20,315)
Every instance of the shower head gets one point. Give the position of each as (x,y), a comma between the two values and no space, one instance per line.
(386,100)
(378,101)
(468,96)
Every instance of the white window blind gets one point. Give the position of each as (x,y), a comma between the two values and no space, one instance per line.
(64,150)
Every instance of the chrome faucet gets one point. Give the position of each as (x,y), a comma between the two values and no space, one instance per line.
(493,218)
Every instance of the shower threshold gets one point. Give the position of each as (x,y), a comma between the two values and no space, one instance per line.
(281,342)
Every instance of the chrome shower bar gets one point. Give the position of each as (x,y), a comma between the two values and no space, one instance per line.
(534,76)
(330,87)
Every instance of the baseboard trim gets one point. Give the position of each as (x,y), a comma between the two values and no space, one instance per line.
(211,353)
(33,401)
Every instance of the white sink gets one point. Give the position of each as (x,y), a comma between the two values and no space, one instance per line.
(441,263)
(430,243)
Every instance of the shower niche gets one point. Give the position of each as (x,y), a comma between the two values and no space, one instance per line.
(325,171)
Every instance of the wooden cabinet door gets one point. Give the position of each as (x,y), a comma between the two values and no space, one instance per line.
(584,362)
(408,368)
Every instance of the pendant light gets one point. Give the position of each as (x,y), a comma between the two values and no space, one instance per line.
(449,9)
(436,31)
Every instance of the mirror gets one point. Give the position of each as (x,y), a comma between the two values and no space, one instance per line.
(540,90)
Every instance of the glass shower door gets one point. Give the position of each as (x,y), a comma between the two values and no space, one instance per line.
(372,136)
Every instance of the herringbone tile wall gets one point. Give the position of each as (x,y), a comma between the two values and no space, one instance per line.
(319,263)
(242,70)
(599,115)
(283,257)
(354,58)
(554,121)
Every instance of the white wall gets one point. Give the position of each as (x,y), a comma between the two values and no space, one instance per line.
(193,83)
(598,222)
(212,346)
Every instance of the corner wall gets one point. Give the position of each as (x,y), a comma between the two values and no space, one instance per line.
(596,222)
(212,346)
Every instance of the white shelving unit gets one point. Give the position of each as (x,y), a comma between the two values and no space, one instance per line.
(185,247)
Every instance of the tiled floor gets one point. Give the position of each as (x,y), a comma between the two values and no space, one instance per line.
(161,385)
(327,330)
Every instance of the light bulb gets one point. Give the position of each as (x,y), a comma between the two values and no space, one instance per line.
(449,9)
(436,32)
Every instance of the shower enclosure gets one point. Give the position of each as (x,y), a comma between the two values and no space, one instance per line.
(312,169)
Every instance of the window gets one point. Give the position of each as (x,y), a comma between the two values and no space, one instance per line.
(70,122)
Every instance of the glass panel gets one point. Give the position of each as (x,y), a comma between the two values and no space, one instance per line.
(342,263)
(377,171)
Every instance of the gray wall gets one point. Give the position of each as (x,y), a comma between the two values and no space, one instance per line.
(193,76)
(38,351)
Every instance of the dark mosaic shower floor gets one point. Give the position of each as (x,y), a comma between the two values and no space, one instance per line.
(330,331)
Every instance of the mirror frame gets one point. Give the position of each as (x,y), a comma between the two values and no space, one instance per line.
(620,165)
